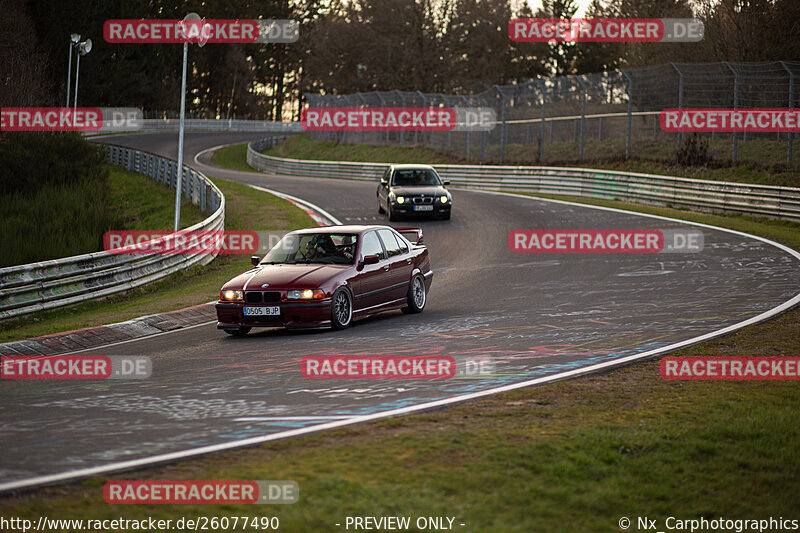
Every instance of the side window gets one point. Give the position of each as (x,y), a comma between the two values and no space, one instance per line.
(401,243)
(372,246)
(390,242)
(387,174)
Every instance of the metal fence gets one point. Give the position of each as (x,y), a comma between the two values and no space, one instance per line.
(711,196)
(149,125)
(610,114)
(59,282)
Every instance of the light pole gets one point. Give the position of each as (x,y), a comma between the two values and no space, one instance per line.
(83,48)
(191,17)
(180,141)
(73,40)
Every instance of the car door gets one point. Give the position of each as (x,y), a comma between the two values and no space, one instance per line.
(399,271)
(370,279)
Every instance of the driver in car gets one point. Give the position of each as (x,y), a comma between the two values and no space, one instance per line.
(317,248)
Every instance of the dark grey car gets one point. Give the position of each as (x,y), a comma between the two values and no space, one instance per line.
(413,190)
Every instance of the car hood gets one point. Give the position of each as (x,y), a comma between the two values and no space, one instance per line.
(433,190)
(284,276)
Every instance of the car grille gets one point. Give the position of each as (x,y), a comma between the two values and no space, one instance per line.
(422,199)
(258,297)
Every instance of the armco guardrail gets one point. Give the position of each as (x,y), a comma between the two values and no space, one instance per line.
(704,195)
(49,284)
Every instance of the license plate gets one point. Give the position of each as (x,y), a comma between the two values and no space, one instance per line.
(423,208)
(262,311)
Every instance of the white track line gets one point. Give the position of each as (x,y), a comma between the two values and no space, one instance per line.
(291,418)
(141,338)
(194,452)
(299,201)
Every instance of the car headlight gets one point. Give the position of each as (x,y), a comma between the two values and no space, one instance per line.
(307,294)
(444,198)
(400,199)
(231,296)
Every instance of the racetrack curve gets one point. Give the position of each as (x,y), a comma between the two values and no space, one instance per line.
(535,315)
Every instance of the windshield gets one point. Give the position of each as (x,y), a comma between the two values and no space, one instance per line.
(331,248)
(419,177)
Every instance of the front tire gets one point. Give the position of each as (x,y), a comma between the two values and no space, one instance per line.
(417,295)
(392,215)
(341,309)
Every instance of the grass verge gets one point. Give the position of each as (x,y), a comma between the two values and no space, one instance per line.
(233,157)
(764,168)
(576,455)
(303,147)
(246,209)
(141,203)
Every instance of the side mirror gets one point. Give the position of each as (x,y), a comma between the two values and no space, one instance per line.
(255,260)
(371,259)
(384,182)
(446,183)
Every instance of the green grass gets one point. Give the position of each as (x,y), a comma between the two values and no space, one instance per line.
(80,209)
(84,211)
(766,164)
(759,161)
(141,203)
(233,157)
(302,147)
(246,209)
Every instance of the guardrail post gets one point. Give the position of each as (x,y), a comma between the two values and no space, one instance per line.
(790,135)
(630,114)
(541,134)
(735,106)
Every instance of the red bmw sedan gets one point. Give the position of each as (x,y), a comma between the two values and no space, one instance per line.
(328,277)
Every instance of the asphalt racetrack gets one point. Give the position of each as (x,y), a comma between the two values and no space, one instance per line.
(533,315)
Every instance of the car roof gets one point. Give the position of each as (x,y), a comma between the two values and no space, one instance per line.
(350,228)
(412,167)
